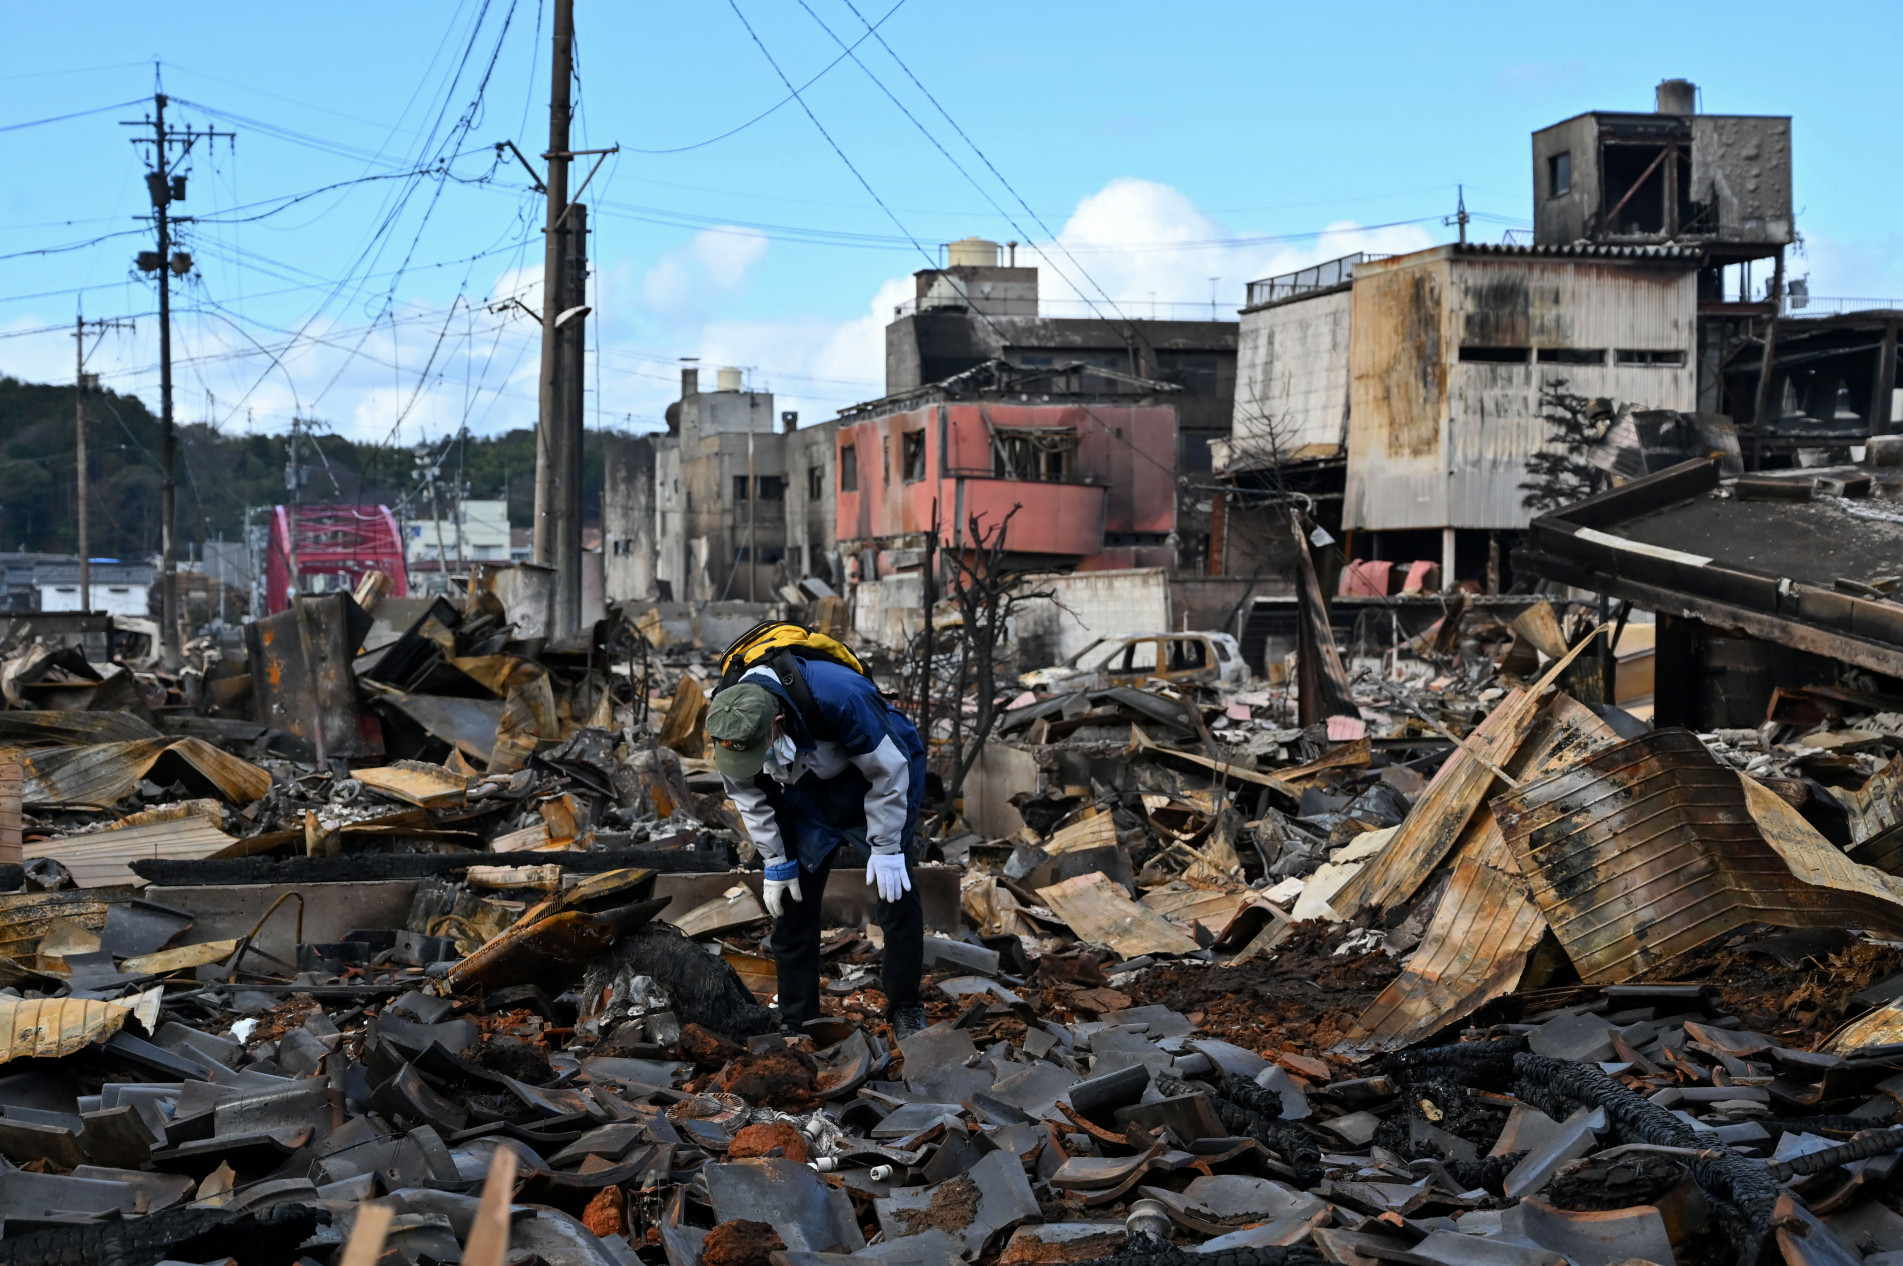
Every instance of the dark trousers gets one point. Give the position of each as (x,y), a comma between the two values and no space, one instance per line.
(796,941)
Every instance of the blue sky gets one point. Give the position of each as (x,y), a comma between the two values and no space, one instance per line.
(1160,147)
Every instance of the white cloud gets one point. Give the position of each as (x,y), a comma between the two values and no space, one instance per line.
(1138,241)
(715,261)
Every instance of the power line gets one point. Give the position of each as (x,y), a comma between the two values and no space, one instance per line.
(992,167)
(956,165)
(793,94)
(74,246)
(77,114)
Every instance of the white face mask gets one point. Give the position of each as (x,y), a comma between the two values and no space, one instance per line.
(784,749)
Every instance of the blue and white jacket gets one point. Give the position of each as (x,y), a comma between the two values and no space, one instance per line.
(863,781)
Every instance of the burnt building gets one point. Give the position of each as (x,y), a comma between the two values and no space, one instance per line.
(720,479)
(1076,459)
(980,308)
(1402,396)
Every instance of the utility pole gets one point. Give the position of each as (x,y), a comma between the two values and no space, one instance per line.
(1460,215)
(558,435)
(166,188)
(82,382)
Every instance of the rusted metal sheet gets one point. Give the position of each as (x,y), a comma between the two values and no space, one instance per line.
(26,916)
(1098,910)
(68,729)
(1651,848)
(684,729)
(301,674)
(104,773)
(1431,830)
(468,725)
(416,782)
(46,1028)
(1476,947)
(1882,1027)
(12,787)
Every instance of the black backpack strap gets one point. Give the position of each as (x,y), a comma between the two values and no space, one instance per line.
(786,667)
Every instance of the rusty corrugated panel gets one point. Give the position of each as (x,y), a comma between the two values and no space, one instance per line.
(1431,830)
(1650,849)
(67,729)
(47,1028)
(1476,947)
(25,916)
(302,677)
(1399,359)
(101,774)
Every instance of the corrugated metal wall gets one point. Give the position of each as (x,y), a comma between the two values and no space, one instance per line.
(1291,380)
(1437,441)
(1398,393)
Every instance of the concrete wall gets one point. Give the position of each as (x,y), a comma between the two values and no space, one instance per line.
(701,522)
(1738,180)
(1087,606)
(810,520)
(628,519)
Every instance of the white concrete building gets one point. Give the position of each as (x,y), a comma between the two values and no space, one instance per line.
(475,532)
(122,589)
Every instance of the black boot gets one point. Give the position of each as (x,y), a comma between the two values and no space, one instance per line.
(906,1021)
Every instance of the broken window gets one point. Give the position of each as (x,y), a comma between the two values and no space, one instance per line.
(1138,657)
(912,455)
(1045,454)
(1559,174)
(1497,355)
(1195,372)
(849,468)
(1670,356)
(1572,355)
(771,487)
(739,487)
(815,482)
(1187,654)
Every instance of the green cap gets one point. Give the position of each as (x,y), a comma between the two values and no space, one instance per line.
(740,723)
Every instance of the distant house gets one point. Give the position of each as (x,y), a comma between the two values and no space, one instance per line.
(117,588)
(475,532)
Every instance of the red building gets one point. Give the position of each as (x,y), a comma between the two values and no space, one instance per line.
(1088,453)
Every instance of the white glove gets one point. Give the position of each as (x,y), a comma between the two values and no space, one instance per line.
(775,891)
(888,871)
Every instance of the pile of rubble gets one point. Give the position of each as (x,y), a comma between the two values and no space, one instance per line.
(436,941)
